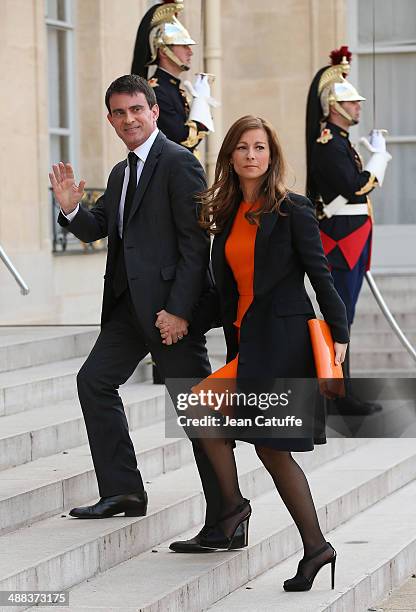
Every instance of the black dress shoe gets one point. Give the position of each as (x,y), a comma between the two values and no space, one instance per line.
(132,504)
(374,405)
(352,406)
(193,545)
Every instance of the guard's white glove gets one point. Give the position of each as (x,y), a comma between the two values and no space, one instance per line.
(376,142)
(377,163)
(201,86)
(201,93)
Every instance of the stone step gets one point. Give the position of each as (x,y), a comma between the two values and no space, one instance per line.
(58,552)
(379,339)
(397,419)
(28,388)
(75,550)
(400,282)
(396,300)
(381,373)
(376,552)
(397,304)
(48,484)
(382,359)
(23,347)
(29,435)
(401,597)
(346,491)
(376,321)
(45,486)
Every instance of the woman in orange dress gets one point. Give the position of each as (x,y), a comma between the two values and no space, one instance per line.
(266,239)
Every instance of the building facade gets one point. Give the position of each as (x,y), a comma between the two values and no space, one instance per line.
(58,57)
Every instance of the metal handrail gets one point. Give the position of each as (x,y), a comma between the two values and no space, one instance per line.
(24,289)
(389,317)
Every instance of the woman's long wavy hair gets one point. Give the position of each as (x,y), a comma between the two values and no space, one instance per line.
(219,201)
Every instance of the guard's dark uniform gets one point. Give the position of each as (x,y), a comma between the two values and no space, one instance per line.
(174,111)
(337,170)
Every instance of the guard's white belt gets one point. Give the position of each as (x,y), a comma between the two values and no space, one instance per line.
(352,209)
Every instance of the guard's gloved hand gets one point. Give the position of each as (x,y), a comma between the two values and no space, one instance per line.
(202,100)
(376,143)
(380,157)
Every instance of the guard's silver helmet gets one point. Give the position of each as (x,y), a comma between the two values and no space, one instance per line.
(167,30)
(334,88)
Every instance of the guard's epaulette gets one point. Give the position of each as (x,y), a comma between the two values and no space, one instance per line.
(326,136)
(153,82)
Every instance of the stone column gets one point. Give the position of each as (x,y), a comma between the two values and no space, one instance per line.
(213,65)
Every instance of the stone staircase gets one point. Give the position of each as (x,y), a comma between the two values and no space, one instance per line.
(375,349)
(365,491)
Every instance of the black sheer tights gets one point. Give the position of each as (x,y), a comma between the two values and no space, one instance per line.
(221,455)
(294,490)
(290,482)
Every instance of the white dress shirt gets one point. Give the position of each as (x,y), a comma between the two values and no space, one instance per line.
(142,152)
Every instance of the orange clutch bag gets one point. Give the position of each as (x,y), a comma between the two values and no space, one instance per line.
(323,350)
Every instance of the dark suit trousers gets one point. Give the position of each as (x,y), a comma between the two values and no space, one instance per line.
(119,348)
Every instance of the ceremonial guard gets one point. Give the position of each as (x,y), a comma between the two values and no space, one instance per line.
(339,185)
(163,41)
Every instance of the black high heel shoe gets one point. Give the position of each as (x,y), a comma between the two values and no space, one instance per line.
(215,537)
(300,582)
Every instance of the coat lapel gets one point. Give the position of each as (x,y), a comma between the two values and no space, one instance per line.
(147,172)
(219,261)
(267,224)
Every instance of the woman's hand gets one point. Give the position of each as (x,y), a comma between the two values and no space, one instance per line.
(340,351)
(333,388)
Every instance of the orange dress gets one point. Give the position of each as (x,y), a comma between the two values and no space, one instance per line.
(239,252)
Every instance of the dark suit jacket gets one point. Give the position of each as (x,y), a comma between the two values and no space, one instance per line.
(166,253)
(274,340)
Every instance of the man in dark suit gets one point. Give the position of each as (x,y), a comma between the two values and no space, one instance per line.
(156,272)
(162,40)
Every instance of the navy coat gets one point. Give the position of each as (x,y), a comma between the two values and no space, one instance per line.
(274,340)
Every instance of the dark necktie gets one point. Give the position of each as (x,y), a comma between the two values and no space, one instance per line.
(120,283)
(131,187)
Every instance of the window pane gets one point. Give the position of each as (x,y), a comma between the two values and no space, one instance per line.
(59,149)
(395,202)
(56,9)
(395,21)
(58,97)
(395,93)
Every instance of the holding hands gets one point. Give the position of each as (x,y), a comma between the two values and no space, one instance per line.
(171,327)
(67,193)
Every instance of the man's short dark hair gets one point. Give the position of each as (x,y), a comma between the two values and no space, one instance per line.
(130,84)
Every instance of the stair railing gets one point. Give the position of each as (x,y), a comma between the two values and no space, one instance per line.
(24,289)
(388,315)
